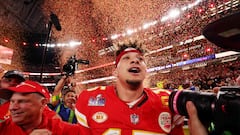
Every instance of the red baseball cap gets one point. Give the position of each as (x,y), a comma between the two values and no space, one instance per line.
(24,87)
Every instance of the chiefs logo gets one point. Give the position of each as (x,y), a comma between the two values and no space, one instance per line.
(164,121)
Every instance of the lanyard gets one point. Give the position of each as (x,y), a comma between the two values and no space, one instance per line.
(71,115)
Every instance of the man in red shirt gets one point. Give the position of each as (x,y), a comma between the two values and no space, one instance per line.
(27,102)
(127,108)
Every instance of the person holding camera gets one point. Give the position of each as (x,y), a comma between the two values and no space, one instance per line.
(64,99)
(127,107)
(209,113)
(194,124)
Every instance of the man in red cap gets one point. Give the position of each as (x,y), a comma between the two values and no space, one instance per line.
(10,79)
(27,102)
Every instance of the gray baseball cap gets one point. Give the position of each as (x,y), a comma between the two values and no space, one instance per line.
(14,74)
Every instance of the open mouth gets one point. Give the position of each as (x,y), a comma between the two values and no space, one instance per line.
(16,113)
(134,70)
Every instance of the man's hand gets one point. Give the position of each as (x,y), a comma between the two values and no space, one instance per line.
(41,132)
(194,124)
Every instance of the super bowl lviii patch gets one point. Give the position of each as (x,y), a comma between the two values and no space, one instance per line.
(99,100)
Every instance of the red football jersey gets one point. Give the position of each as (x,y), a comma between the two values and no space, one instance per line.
(104,113)
(56,126)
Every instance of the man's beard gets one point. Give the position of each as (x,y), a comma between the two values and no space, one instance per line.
(134,84)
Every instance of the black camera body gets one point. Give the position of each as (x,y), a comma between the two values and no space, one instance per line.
(72,65)
(221,109)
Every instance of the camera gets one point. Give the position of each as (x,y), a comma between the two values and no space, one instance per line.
(72,64)
(221,110)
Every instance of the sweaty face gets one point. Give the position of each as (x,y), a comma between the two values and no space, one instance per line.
(131,68)
(69,99)
(25,108)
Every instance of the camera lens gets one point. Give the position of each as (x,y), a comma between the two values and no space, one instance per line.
(68,68)
(202,100)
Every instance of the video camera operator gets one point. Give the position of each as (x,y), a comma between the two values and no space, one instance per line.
(194,124)
(209,113)
(64,99)
(72,64)
(66,91)
(225,108)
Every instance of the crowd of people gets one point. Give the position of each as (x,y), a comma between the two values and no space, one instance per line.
(190,26)
(196,49)
(203,78)
(125,107)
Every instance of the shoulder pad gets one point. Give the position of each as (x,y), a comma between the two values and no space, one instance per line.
(161,91)
(97,88)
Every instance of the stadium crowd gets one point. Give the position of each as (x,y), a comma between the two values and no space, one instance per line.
(203,78)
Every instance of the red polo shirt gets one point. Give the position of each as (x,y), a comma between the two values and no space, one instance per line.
(4,110)
(56,126)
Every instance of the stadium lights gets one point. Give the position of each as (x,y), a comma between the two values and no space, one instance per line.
(114,36)
(6,40)
(147,25)
(172,14)
(24,43)
(70,44)
(74,43)
(130,31)
(154,69)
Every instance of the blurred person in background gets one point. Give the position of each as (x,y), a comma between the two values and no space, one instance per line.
(236,83)
(27,103)
(64,100)
(127,107)
(10,79)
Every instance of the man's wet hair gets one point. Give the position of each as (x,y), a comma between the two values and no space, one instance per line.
(131,44)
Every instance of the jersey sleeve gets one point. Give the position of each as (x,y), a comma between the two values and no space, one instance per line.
(75,129)
(58,127)
(81,110)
